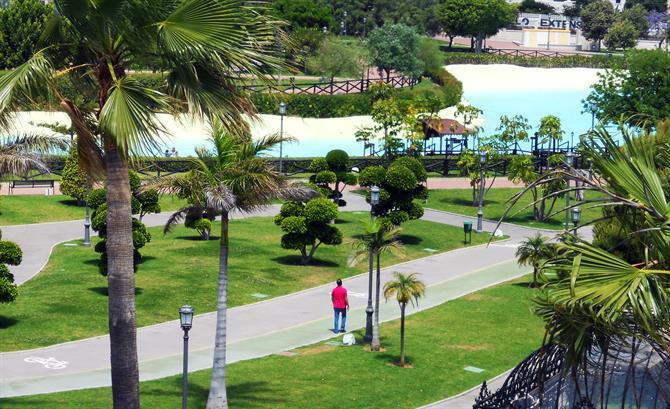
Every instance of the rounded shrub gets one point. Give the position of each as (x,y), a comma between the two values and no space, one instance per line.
(330,235)
(294,241)
(400,178)
(414,165)
(10,253)
(321,210)
(134,180)
(415,211)
(96,198)
(294,224)
(372,175)
(338,160)
(398,217)
(317,165)
(291,209)
(8,290)
(325,176)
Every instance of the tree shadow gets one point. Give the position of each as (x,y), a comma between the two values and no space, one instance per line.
(71,202)
(6,322)
(104,290)
(246,394)
(92,261)
(410,239)
(527,284)
(342,221)
(458,201)
(295,260)
(197,238)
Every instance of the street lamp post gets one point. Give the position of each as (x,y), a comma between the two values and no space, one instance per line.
(593,108)
(87,222)
(365,22)
(576,217)
(569,159)
(374,201)
(344,23)
(186,321)
(480,211)
(282,112)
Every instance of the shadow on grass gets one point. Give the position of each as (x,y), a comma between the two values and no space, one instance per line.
(104,291)
(197,238)
(410,239)
(71,203)
(295,260)
(246,394)
(459,201)
(6,322)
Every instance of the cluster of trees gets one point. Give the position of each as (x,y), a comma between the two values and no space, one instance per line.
(636,89)
(477,19)
(622,29)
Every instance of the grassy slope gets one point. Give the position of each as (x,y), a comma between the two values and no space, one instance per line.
(460,201)
(25,209)
(67,300)
(440,342)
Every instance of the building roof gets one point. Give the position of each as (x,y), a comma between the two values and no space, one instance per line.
(446,127)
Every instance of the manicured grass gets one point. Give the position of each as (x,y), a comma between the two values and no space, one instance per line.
(68,301)
(26,209)
(460,201)
(492,329)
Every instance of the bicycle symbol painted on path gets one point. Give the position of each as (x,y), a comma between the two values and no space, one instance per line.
(49,363)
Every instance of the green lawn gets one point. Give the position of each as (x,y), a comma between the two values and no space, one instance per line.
(492,329)
(460,201)
(25,209)
(67,301)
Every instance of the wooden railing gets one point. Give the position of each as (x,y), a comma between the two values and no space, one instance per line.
(333,87)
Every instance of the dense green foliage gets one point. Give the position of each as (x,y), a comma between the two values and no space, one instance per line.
(597,17)
(142,202)
(395,47)
(636,89)
(338,59)
(303,14)
(10,253)
(401,185)
(21,24)
(532,61)
(621,35)
(73,179)
(334,170)
(306,226)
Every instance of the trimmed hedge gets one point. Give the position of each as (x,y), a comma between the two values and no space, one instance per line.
(583,61)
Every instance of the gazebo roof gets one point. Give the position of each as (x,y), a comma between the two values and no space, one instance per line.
(446,127)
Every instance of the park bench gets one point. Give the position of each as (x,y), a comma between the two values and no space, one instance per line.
(18,184)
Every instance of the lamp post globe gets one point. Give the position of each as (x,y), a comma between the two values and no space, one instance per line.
(569,161)
(186,322)
(576,216)
(483,157)
(593,107)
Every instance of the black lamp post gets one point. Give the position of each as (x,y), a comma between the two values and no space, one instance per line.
(576,217)
(480,212)
(282,112)
(186,321)
(87,222)
(374,201)
(593,108)
(344,23)
(569,160)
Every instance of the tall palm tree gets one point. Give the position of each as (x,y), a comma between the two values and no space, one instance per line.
(533,251)
(405,288)
(377,240)
(203,45)
(232,177)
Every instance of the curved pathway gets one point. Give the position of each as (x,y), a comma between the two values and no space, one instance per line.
(255,330)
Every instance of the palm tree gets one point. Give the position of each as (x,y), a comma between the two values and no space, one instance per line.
(233,177)
(19,155)
(376,241)
(533,251)
(204,46)
(405,288)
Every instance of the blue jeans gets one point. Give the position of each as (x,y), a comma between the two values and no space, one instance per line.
(343,313)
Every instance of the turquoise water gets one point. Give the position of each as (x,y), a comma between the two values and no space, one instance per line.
(534,105)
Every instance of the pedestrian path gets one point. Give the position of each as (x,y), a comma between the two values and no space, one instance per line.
(255,330)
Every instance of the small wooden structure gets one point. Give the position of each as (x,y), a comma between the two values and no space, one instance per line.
(452,135)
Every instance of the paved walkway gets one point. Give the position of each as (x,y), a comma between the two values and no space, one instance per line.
(255,330)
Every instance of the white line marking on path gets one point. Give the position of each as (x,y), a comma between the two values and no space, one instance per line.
(49,363)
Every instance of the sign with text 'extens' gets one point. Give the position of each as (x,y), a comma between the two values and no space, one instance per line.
(548,21)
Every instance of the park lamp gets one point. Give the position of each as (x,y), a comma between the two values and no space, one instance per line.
(569,158)
(593,107)
(374,195)
(576,216)
(186,317)
(282,108)
(483,156)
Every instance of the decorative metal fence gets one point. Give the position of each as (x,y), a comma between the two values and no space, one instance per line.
(333,87)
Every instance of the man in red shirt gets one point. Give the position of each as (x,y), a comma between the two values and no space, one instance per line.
(340,305)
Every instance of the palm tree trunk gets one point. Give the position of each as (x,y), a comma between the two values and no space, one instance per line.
(121,282)
(376,344)
(534,277)
(402,334)
(218,398)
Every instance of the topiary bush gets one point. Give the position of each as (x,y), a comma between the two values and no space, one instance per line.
(334,169)
(307,225)
(10,253)
(401,185)
(73,179)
